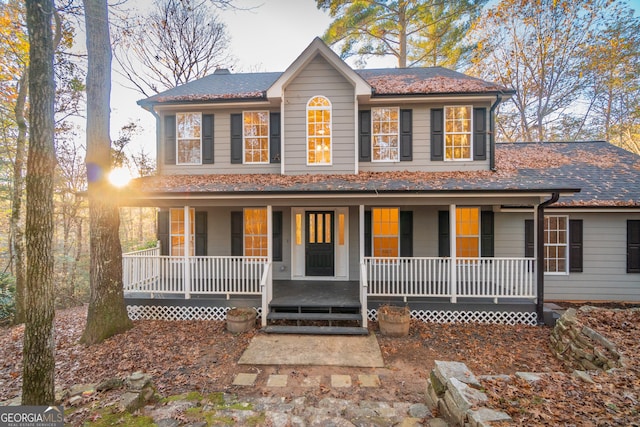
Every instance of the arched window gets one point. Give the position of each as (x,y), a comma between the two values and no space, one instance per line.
(319,131)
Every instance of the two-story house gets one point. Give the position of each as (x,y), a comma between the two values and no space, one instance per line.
(320,192)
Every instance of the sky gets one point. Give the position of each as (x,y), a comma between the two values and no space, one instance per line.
(267,35)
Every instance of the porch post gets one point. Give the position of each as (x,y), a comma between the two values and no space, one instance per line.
(453,277)
(266,293)
(187,252)
(363,279)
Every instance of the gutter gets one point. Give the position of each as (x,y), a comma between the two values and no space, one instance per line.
(492,133)
(540,256)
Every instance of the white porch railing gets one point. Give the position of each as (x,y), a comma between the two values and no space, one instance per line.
(227,275)
(431,277)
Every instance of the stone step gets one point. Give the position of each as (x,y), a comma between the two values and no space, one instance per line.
(316,330)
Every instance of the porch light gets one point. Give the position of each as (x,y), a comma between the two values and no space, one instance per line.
(120,177)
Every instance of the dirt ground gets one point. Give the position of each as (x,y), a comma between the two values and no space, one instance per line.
(202,356)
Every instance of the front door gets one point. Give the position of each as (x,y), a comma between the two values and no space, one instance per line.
(319,246)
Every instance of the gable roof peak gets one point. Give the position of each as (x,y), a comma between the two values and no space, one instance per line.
(318,47)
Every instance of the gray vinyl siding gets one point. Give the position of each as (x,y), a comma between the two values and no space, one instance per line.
(422,144)
(604,277)
(319,78)
(221,147)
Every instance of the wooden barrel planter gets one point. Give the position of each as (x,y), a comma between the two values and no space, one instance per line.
(394,320)
(241,319)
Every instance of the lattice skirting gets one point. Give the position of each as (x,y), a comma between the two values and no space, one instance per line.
(168,312)
(496,317)
(160,312)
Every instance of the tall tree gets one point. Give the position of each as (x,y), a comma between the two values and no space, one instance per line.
(14,49)
(180,41)
(613,71)
(415,32)
(538,48)
(38,350)
(107,314)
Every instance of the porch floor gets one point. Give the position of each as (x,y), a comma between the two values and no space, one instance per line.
(310,293)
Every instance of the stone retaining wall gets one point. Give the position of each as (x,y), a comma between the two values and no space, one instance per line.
(580,347)
(456,394)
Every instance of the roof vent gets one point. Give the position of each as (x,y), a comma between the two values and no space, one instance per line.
(222,71)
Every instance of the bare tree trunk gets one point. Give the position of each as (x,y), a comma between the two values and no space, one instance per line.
(16,230)
(38,350)
(107,313)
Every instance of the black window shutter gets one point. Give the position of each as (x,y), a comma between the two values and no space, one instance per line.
(274,137)
(406,233)
(170,140)
(277,235)
(529,239)
(367,233)
(365,136)
(444,245)
(479,134)
(406,135)
(201,233)
(163,232)
(207,139)
(237,234)
(236,138)
(437,134)
(633,246)
(486,234)
(575,246)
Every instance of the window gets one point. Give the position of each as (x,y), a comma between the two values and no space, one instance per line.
(457,133)
(255,132)
(633,246)
(318,131)
(178,232)
(555,244)
(467,232)
(189,141)
(385,132)
(255,232)
(386,232)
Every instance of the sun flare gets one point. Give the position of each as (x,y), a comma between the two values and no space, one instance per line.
(120,177)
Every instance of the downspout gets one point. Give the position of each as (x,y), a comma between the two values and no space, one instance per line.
(540,256)
(492,133)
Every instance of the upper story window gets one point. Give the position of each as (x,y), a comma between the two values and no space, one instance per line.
(386,134)
(319,131)
(189,138)
(457,133)
(256,136)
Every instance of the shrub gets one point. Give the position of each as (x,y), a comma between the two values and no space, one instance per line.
(7,297)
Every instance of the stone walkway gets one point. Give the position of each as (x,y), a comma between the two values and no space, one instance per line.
(279,411)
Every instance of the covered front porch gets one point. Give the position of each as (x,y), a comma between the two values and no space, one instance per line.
(431,286)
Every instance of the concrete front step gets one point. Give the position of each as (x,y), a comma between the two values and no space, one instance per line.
(313,316)
(316,330)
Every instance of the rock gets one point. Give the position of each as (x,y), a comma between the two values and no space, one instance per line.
(583,376)
(75,400)
(484,417)
(168,422)
(81,389)
(446,370)
(110,384)
(137,381)
(529,376)
(418,410)
(372,422)
(130,401)
(410,422)
(438,422)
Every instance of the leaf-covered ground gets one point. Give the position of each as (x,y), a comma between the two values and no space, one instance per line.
(201,356)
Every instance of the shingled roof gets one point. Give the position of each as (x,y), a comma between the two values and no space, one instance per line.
(607,176)
(222,86)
